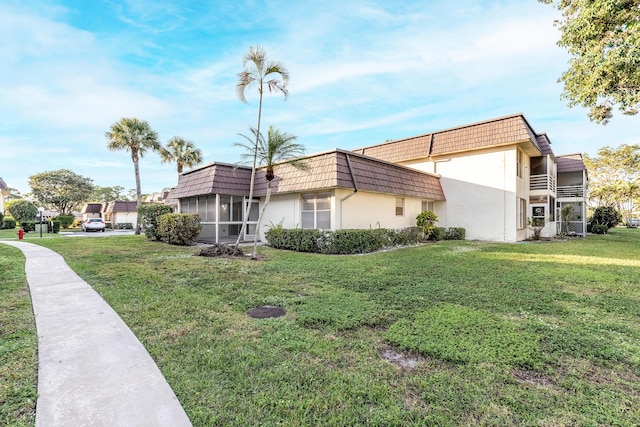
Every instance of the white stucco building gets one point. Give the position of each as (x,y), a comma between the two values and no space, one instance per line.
(493,178)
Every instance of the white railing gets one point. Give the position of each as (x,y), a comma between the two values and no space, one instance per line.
(542,182)
(576,190)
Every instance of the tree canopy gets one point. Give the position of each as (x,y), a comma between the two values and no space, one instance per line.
(614,178)
(181,152)
(21,210)
(603,39)
(61,190)
(107,194)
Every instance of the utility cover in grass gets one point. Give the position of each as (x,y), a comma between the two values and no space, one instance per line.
(463,335)
(266,311)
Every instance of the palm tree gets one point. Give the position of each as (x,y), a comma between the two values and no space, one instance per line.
(182,152)
(135,136)
(279,148)
(260,72)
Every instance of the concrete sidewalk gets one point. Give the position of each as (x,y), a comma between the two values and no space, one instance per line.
(92,370)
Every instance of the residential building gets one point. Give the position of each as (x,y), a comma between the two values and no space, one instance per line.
(494,178)
(4,192)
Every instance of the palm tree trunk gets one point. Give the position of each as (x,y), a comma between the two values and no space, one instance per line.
(254,254)
(253,173)
(136,167)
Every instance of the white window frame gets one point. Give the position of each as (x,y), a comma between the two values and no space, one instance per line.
(399,206)
(313,199)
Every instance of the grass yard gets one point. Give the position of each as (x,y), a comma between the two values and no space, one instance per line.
(18,343)
(451,333)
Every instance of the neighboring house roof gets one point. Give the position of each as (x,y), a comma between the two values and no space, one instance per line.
(334,169)
(571,163)
(490,133)
(121,206)
(215,178)
(92,208)
(344,169)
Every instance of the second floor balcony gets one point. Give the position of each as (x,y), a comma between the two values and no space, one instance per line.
(575,190)
(542,182)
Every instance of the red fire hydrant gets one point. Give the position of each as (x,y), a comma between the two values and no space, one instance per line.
(20,233)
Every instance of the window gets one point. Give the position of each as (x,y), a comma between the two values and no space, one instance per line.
(427,206)
(519,162)
(522,213)
(316,211)
(399,206)
(538,216)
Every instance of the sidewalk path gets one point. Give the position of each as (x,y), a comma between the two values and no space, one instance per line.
(92,370)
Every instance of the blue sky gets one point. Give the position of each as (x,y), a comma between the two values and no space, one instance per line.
(362,72)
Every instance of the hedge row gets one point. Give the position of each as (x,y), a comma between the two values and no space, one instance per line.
(340,241)
(353,241)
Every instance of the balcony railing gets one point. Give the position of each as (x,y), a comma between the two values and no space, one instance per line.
(573,227)
(542,182)
(571,191)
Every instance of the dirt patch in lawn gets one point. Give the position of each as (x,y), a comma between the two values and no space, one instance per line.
(266,312)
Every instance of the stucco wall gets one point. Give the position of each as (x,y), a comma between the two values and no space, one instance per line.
(360,210)
(481,191)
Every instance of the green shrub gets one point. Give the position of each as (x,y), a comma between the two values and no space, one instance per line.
(599,229)
(350,241)
(66,220)
(54,226)
(437,233)
(454,233)
(8,223)
(28,226)
(178,229)
(1,218)
(426,221)
(148,218)
(123,226)
(606,215)
(460,334)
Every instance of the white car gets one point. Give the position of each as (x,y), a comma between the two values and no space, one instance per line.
(94,224)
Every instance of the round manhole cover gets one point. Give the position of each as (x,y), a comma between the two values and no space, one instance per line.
(266,311)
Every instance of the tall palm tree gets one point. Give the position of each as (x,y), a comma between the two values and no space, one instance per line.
(184,153)
(137,137)
(259,72)
(279,148)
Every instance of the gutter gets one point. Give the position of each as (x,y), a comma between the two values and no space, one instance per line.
(355,186)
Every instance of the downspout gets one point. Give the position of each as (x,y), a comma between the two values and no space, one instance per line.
(355,186)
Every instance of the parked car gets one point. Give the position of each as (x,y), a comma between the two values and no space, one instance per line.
(94,224)
(633,222)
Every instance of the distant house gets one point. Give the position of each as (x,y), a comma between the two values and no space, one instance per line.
(91,210)
(493,178)
(121,212)
(4,192)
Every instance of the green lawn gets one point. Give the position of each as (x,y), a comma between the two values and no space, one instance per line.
(533,334)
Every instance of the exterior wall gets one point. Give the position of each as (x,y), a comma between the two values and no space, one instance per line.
(124,217)
(1,202)
(482,190)
(348,210)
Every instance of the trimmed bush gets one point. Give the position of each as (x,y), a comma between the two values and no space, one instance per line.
(599,229)
(123,226)
(221,249)
(28,226)
(454,233)
(148,218)
(606,215)
(65,220)
(54,227)
(178,229)
(437,233)
(8,223)
(340,241)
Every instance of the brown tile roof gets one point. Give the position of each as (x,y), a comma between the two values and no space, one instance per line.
(92,208)
(121,206)
(544,144)
(571,163)
(211,179)
(490,133)
(343,169)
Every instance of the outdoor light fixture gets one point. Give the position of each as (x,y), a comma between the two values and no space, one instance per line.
(40,213)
